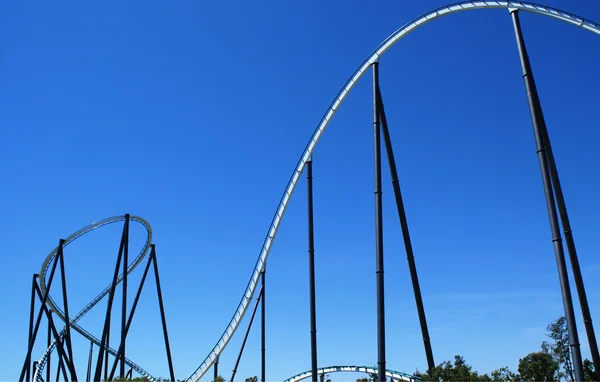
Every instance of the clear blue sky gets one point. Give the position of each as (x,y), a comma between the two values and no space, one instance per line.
(193,115)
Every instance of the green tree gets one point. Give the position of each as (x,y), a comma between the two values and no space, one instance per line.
(539,366)
(219,379)
(588,370)
(252,379)
(559,347)
(459,371)
(504,374)
(363,379)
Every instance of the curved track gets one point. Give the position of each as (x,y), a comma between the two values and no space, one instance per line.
(73,321)
(333,108)
(392,374)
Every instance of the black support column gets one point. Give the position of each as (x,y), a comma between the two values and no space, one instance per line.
(405,234)
(311,273)
(263,373)
(538,129)
(381,377)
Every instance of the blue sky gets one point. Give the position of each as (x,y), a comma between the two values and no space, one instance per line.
(193,115)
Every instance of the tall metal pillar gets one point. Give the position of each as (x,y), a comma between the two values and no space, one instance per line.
(36,327)
(237,362)
(89,366)
(30,332)
(124,299)
(103,348)
(162,313)
(263,327)
(106,352)
(45,309)
(406,235)
(570,241)
(67,336)
(538,124)
(131,313)
(216,369)
(378,231)
(48,343)
(311,272)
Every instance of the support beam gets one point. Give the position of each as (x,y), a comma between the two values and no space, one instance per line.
(538,124)
(124,298)
(311,273)
(48,344)
(52,328)
(89,366)
(237,362)
(216,369)
(30,332)
(405,234)
(162,313)
(130,319)
(38,319)
(381,377)
(67,336)
(105,332)
(570,241)
(106,352)
(263,373)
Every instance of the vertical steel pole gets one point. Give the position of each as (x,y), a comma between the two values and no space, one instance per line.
(104,341)
(67,336)
(59,343)
(538,123)
(570,241)
(379,231)
(61,365)
(263,327)
(106,353)
(89,367)
(406,235)
(48,343)
(237,362)
(31,315)
(131,313)
(311,273)
(216,369)
(124,299)
(36,327)
(162,313)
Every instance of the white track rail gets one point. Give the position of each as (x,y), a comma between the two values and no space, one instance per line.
(73,321)
(333,108)
(392,374)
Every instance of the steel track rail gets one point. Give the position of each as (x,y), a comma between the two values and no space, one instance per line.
(333,108)
(393,374)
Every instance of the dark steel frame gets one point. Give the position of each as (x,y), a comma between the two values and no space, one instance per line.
(311,272)
(237,362)
(263,356)
(63,343)
(378,230)
(405,234)
(552,190)
(64,355)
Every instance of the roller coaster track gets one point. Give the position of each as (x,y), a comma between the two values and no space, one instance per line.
(73,322)
(392,374)
(291,185)
(333,108)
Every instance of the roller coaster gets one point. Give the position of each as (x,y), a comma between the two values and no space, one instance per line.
(554,199)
